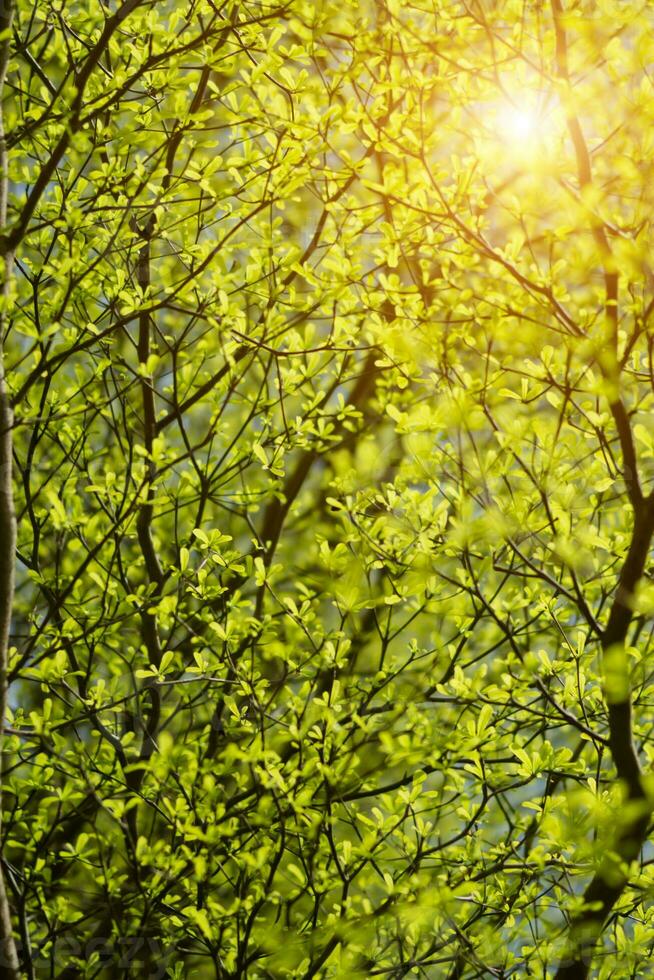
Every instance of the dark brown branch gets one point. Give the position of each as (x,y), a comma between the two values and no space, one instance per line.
(149,624)
(34,196)
(8,955)
(610,879)
(584,176)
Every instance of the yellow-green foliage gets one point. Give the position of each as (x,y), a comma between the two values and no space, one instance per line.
(329,360)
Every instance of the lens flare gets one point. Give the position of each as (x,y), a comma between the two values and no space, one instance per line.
(518,125)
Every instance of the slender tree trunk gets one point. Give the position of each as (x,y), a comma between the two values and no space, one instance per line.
(8,955)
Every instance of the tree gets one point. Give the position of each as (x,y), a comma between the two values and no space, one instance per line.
(325,612)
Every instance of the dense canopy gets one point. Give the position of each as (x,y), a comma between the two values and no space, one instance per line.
(326,333)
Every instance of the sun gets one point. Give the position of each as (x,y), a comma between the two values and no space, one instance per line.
(518,125)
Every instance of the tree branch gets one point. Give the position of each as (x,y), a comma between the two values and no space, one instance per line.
(8,955)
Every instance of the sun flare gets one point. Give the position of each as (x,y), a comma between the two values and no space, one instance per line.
(518,125)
